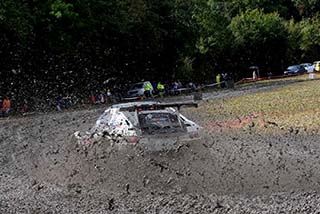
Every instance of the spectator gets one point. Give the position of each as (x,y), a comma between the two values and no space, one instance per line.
(175,87)
(101,98)
(24,108)
(154,84)
(161,89)
(254,75)
(6,106)
(148,90)
(67,102)
(230,81)
(218,80)
(60,103)
(108,95)
(167,87)
(92,99)
(192,86)
(225,78)
(1,102)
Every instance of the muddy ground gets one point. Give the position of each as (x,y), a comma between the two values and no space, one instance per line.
(247,169)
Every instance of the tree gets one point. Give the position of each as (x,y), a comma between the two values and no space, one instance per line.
(293,53)
(310,38)
(259,39)
(15,17)
(307,8)
(213,37)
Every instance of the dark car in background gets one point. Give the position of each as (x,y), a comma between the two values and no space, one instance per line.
(295,69)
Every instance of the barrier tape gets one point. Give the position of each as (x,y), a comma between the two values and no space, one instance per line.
(247,80)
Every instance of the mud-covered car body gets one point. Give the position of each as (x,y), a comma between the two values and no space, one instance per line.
(156,125)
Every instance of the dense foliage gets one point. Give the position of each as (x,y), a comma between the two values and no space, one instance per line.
(63,46)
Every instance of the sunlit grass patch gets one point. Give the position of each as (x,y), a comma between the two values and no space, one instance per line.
(294,105)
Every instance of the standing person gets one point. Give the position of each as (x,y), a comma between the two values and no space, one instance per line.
(218,80)
(101,98)
(192,86)
(6,106)
(254,75)
(24,108)
(225,77)
(160,88)
(230,80)
(1,102)
(108,95)
(175,87)
(60,103)
(92,99)
(154,84)
(147,90)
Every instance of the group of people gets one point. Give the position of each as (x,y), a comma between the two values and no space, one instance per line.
(5,106)
(101,97)
(63,102)
(224,80)
(167,88)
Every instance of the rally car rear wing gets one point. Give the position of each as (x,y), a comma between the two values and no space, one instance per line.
(159,106)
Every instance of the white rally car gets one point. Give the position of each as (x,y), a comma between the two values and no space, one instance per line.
(155,126)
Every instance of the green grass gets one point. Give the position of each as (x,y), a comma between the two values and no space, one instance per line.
(291,105)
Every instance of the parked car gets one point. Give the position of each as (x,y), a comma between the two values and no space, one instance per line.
(308,66)
(153,125)
(316,65)
(138,89)
(294,69)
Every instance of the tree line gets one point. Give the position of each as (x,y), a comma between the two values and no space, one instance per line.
(66,45)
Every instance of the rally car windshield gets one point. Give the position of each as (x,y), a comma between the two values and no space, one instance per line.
(156,122)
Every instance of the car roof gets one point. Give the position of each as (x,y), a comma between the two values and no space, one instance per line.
(293,66)
(139,82)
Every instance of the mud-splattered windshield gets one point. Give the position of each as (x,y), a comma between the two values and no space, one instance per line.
(156,122)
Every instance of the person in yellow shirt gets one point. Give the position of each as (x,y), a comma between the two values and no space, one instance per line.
(147,90)
(218,80)
(160,88)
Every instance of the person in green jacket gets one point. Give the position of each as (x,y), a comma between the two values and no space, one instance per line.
(147,90)
(160,88)
(218,80)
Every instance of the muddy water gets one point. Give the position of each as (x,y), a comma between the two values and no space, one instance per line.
(230,170)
